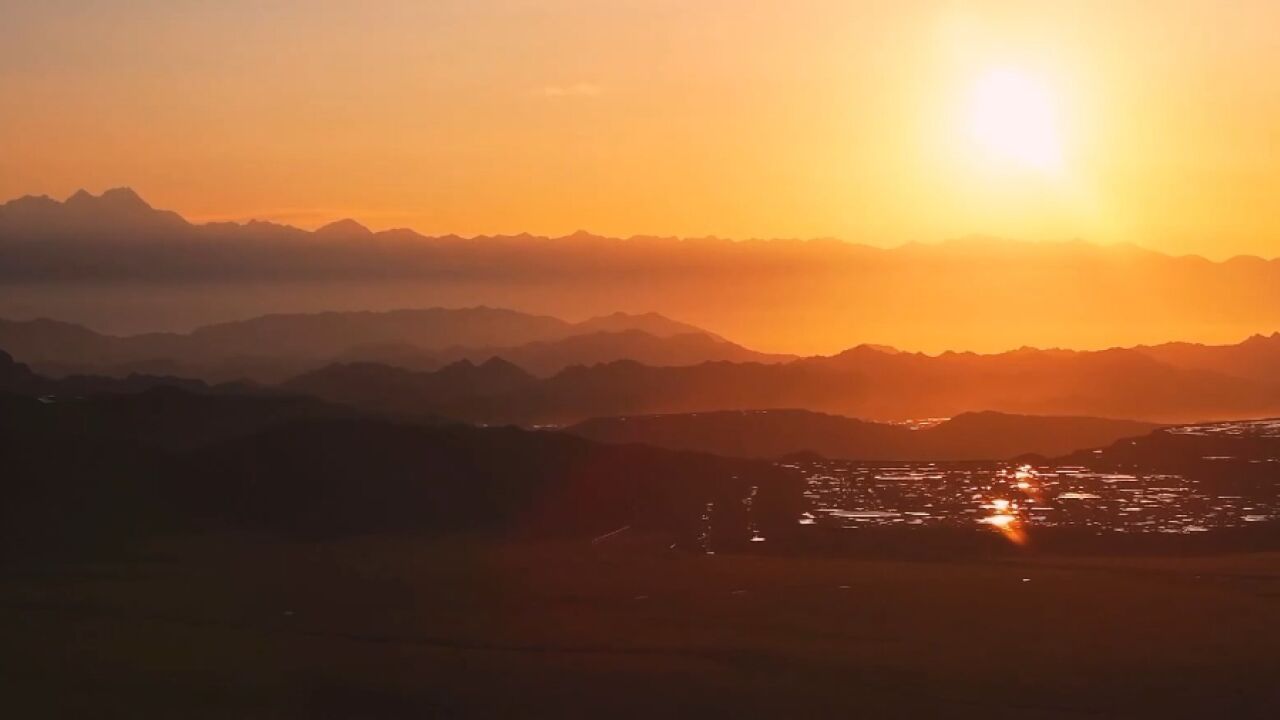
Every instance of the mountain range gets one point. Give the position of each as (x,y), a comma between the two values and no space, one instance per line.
(273,348)
(500,366)
(779,433)
(114,263)
(1238,457)
(864,382)
(158,411)
(98,470)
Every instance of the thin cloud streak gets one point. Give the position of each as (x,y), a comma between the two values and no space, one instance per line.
(582,89)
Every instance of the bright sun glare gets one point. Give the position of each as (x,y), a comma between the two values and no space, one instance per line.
(1013,120)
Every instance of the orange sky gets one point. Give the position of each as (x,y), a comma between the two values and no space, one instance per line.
(803,118)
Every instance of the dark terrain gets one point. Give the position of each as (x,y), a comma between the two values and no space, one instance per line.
(388,627)
(777,433)
(175,548)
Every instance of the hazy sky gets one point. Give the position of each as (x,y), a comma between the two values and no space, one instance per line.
(1150,122)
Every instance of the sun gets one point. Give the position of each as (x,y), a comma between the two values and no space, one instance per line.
(1013,121)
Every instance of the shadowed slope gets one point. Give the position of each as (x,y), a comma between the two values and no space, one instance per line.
(274,347)
(86,473)
(865,383)
(776,433)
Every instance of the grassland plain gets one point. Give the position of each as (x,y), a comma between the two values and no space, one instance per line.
(235,626)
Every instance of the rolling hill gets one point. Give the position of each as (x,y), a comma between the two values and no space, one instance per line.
(864,383)
(777,433)
(274,347)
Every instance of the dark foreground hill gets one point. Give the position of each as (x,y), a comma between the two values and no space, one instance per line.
(182,554)
(775,433)
(93,470)
(1243,454)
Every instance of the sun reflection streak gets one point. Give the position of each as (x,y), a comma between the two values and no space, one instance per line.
(1025,478)
(1009,525)
(1000,521)
(1005,513)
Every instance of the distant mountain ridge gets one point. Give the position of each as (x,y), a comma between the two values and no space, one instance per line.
(155,410)
(863,382)
(118,213)
(794,295)
(273,347)
(597,368)
(1255,358)
(18,379)
(777,433)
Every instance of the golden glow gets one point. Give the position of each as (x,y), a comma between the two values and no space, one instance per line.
(1004,513)
(1000,521)
(1023,477)
(1107,121)
(1008,525)
(1014,120)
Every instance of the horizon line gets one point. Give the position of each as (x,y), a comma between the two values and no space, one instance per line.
(359,228)
(881,348)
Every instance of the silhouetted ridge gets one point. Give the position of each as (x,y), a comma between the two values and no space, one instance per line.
(122,200)
(492,375)
(863,383)
(993,292)
(572,371)
(272,348)
(651,323)
(1236,457)
(14,376)
(117,214)
(344,228)
(788,433)
(113,467)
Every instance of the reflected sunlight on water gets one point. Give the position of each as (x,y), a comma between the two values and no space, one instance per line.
(1015,499)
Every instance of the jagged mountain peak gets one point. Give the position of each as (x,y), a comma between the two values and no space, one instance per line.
(121,198)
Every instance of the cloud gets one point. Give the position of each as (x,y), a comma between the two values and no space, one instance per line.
(582,89)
